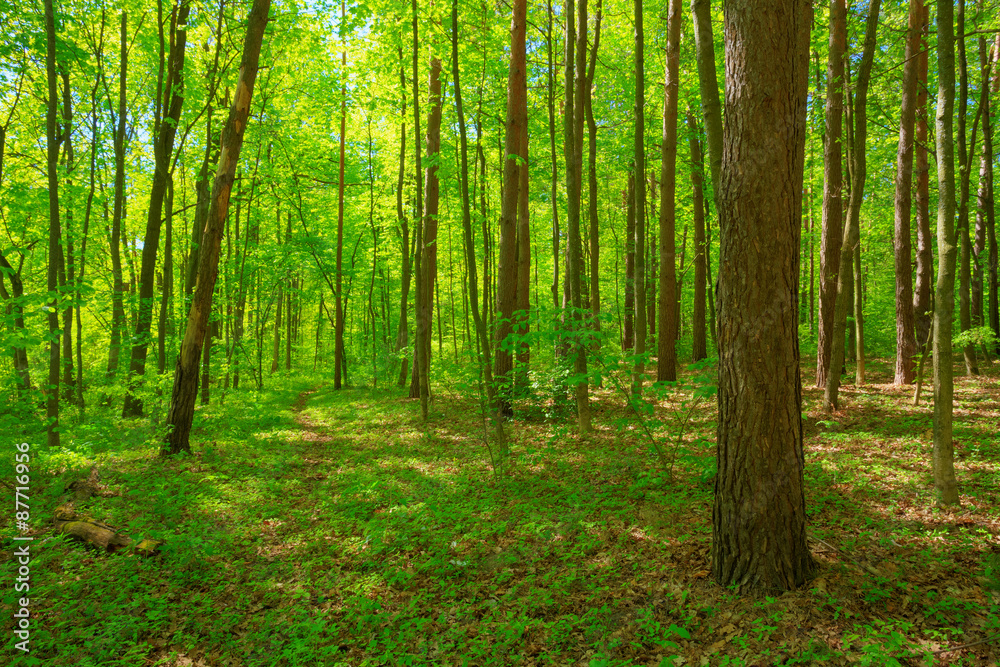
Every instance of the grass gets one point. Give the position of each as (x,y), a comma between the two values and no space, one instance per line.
(314,527)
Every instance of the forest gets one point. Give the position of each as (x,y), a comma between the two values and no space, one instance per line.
(517,333)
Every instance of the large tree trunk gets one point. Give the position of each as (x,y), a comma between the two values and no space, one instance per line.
(833,205)
(666,360)
(906,346)
(163,144)
(944,297)
(699,346)
(846,285)
(925,260)
(185,390)
(639,350)
(759,519)
(52,159)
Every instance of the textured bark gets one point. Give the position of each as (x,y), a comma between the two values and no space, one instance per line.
(699,346)
(906,345)
(759,519)
(554,182)
(985,212)
(944,297)
(639,349)
(523,299)
(406,270)
(833,205)
(52,168)
(846,286)
(922,306)
(185,389)
(666,360)
(419,192)
(595,241)
(118,286)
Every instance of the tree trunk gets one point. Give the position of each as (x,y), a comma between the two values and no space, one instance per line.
(430,225)
(666,360)
(944,296)
(984,197)
(906,345)
(925,260)
(163,144)
(118,287)
(832,234)
(759,519)
(595,241)
(628,336)
(52,158)
(699,346)
(338,335)
(639,350)
(404,234)
(965,152)
(846,286)
(185,389)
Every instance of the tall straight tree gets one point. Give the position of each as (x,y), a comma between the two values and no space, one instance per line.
(708,86)
(966,148)
(425,285)
(906,346)
(759,520)
(699,347)
(185,389)
(666,359)
(595,241)
(338,326)
(985,211)
(639,367)
(164,131)
(52,168)
(515,126)
(846,285)
(945,483)
(833,204)
(925,259)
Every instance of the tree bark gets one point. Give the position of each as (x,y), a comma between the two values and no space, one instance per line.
(699,345)
(639,350)
(430,224)
(922,305)
(852,233)
(338,340)
(628,335)
(759,519)
(833,206)
(945,483)
(985,212)
(185,389)
(163,144)
(595,241)
(666,359)
(906,345)
(708,85)
(52,158)
(965,152)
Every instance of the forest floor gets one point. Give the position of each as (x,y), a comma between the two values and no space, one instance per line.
(321,527)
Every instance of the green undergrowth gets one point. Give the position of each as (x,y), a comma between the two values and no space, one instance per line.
(322,527)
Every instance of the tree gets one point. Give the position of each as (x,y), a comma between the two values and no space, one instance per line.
(666,360)
(163,143)
(338,350)
(185,389)
(759,520)
(944,295)
(639,349)
(52,170)
(699,347)
(833,205)
(925,260)
(906,346)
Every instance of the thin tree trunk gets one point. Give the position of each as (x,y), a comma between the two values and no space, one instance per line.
(430,225)
(945,483)
(922,305)
(965,152)
(595,241)
(832,234)
(52,157)
(906,345)
(338,340)
(699,347)
(402,344)
(846,285)
(628,337)
(181,412)
(666,362)
(639,369)
(163,143)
